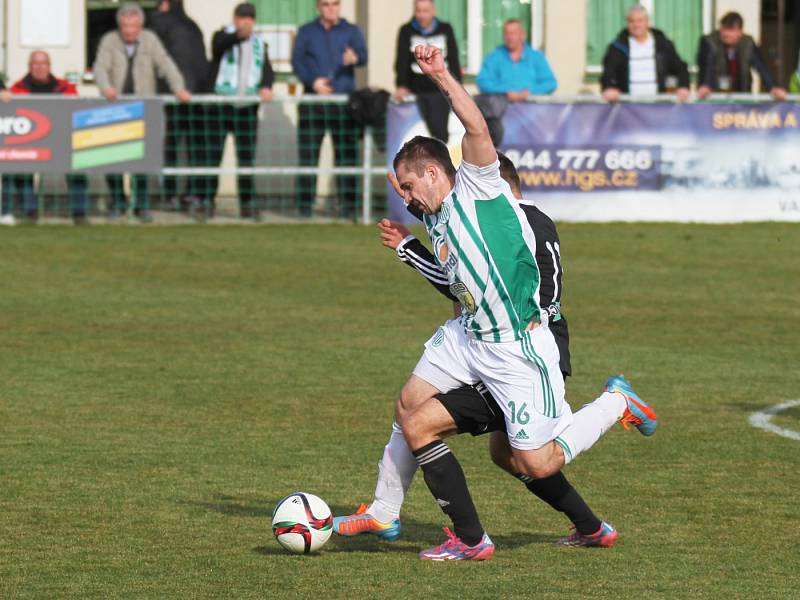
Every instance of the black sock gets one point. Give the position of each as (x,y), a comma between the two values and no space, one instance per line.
(559,493)
(447,483)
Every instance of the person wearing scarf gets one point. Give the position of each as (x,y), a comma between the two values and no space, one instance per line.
(240,68)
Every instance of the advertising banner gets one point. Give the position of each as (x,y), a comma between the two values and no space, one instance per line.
(62,135)
(642,162)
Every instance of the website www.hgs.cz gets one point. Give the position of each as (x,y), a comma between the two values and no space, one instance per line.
(584,180)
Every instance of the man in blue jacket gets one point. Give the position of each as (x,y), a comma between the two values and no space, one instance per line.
(510,73)
(515,69)
(326,52)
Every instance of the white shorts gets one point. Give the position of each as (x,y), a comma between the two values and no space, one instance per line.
(524,377)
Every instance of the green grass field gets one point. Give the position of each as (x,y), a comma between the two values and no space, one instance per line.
(163,387)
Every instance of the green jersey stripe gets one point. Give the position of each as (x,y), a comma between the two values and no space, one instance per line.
(503,234)
(564,446)
(479,282)
(550,410)
(545,396)
(547,377)
(475,325)
(481,246)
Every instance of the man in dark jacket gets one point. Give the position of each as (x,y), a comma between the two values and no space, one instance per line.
(427,30)
(240,67)
(326,52)
(183,41)
(643,62)
(39,80)
(726,58)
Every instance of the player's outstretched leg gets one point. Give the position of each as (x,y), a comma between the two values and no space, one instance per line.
(395,474)
(363,522)
(637,413)
(617,403)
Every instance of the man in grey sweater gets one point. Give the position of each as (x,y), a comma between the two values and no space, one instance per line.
(129,61)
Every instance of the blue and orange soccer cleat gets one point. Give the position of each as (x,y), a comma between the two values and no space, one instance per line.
(605,537)
(455,549)
(639,414)
(362,522)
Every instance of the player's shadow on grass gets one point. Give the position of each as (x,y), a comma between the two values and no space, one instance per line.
(410,542)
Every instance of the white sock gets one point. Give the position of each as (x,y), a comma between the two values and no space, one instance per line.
(591,422)
(395,474)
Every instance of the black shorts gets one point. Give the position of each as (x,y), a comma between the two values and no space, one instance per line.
(474,410)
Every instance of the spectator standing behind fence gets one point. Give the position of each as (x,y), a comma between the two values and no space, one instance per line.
(515,69)
(183,41)
(512,72)
(643,62)
(129,61)
(39,80)
(726,58)
(240,67)
(426,30)
(324,58)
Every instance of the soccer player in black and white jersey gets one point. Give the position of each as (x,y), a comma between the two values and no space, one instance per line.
(472,409)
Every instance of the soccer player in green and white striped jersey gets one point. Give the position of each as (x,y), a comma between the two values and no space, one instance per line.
(487,249)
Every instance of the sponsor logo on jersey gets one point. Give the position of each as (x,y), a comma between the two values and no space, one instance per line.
(448,260)
(521,435)
(438,338)
(467,300)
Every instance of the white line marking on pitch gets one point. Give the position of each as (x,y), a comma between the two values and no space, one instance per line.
(763,420)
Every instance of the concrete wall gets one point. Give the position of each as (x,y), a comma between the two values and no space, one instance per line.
(749,9)
(3,36)
(565,43)
(210,16)
(64,58)
(385,19)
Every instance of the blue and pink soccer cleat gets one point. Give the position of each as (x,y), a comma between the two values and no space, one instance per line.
(639,414)
(362,522)
(605,537)
(455,549)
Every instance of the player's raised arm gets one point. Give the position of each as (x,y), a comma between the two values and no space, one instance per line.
(477,146)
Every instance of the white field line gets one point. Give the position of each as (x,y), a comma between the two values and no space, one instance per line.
(763,420)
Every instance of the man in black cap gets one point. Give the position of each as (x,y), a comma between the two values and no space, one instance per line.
(240,67)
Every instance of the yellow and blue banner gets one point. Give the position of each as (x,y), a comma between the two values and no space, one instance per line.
(62,135)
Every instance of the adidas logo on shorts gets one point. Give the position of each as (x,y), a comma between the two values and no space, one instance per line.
(521,435)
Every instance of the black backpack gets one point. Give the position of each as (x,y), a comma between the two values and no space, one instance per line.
(367,107)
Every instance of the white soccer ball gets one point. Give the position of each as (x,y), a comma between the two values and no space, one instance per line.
(302,523)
